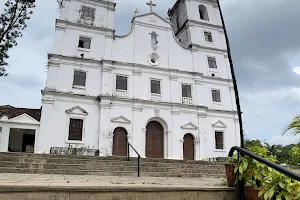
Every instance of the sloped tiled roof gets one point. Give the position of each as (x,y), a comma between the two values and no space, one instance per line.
(12,112)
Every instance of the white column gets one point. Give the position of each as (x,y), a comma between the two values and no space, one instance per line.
(176,136)
(105,134)
(202,146)
(199,93)
(107,79)
(143,141)
(138,130)
(36,140)
(137,84)
(59,38)
(175,93)
(237,131)
(168,145)
(4,138)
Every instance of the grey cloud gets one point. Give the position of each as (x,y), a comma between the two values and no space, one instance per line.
(261,34)
(23,81)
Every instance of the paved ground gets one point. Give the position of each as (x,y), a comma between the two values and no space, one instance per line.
(53,181)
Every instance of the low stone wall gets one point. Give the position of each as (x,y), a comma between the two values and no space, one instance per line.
(119,194)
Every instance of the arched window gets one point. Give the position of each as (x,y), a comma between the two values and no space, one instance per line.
(203,13)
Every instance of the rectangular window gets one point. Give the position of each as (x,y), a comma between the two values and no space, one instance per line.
(88,12)
(79,78)
(208,37)
(84,43)
(75,129)
(219,140)
(121,83)
(216,95)
(155,87)
(187,91)
(212,63)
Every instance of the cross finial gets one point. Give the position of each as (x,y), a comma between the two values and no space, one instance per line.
(151,4)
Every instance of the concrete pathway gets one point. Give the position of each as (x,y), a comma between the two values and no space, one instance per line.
(74,181)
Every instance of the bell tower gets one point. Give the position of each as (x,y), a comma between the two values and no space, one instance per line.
(198,23)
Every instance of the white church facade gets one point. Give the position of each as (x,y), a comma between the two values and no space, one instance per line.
(165,87)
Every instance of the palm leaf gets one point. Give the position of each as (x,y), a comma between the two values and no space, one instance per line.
(294,126)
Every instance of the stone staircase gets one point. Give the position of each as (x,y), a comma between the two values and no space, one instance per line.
(106,166)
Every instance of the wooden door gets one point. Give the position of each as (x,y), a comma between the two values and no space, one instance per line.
(120,142)
(154,140)
(188,147)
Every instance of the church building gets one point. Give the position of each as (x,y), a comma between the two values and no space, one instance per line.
(165,87)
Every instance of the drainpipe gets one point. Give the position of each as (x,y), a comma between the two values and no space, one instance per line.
(237,99)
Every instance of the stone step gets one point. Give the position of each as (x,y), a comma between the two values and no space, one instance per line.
(120,167)
(118,193)
(106,173)
(107,168)
(108,162)
(152,160)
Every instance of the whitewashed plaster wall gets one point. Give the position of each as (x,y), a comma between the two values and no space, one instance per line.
(214,16)
(112,55)
(55,121)
(104,12)
(98,130)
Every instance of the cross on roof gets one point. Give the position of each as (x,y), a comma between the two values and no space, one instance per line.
(151,4)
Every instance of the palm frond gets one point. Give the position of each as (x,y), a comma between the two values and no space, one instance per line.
(294,126)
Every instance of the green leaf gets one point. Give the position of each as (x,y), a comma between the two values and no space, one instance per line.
(281,185)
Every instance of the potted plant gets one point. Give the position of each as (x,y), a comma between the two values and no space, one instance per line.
(253,172)
(279,186)
(230,164)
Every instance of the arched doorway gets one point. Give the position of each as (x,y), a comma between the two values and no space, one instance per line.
(154,140)
(188,147)
(120,142)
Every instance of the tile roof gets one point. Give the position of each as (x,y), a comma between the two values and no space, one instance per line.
(11,112)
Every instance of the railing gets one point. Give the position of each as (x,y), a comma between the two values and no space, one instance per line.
(155,97)
(81,151)
(243,152)
(139,157)
(187,100)
(121,93)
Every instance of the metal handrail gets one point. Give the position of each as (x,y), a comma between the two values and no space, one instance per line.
(139,156)
(275,166)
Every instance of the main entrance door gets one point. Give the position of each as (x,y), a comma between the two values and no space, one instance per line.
(154,140)
(120,142)
(188,147)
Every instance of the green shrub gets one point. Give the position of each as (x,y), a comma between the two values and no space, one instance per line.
(279,186)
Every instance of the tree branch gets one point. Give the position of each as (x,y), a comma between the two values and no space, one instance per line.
(10,25)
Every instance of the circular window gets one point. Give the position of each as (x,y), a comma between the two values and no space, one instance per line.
(154,59)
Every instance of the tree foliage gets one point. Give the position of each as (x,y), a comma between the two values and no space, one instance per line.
(12,23)
(294,155)
(282,153)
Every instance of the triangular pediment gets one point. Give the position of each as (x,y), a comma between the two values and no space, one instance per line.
(189,126)
(121,119)
(152,18)
(219,124)
(77,110)
(24,119)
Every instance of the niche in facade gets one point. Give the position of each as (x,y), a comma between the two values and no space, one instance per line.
(154,59)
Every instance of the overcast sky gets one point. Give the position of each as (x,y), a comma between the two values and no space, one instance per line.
(264,37)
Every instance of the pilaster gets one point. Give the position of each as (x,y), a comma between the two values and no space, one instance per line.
(4,137)
(107,78)
(202,135)
(105,134)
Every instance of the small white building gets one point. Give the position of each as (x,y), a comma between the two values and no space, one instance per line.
(19,129)
(165,87)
